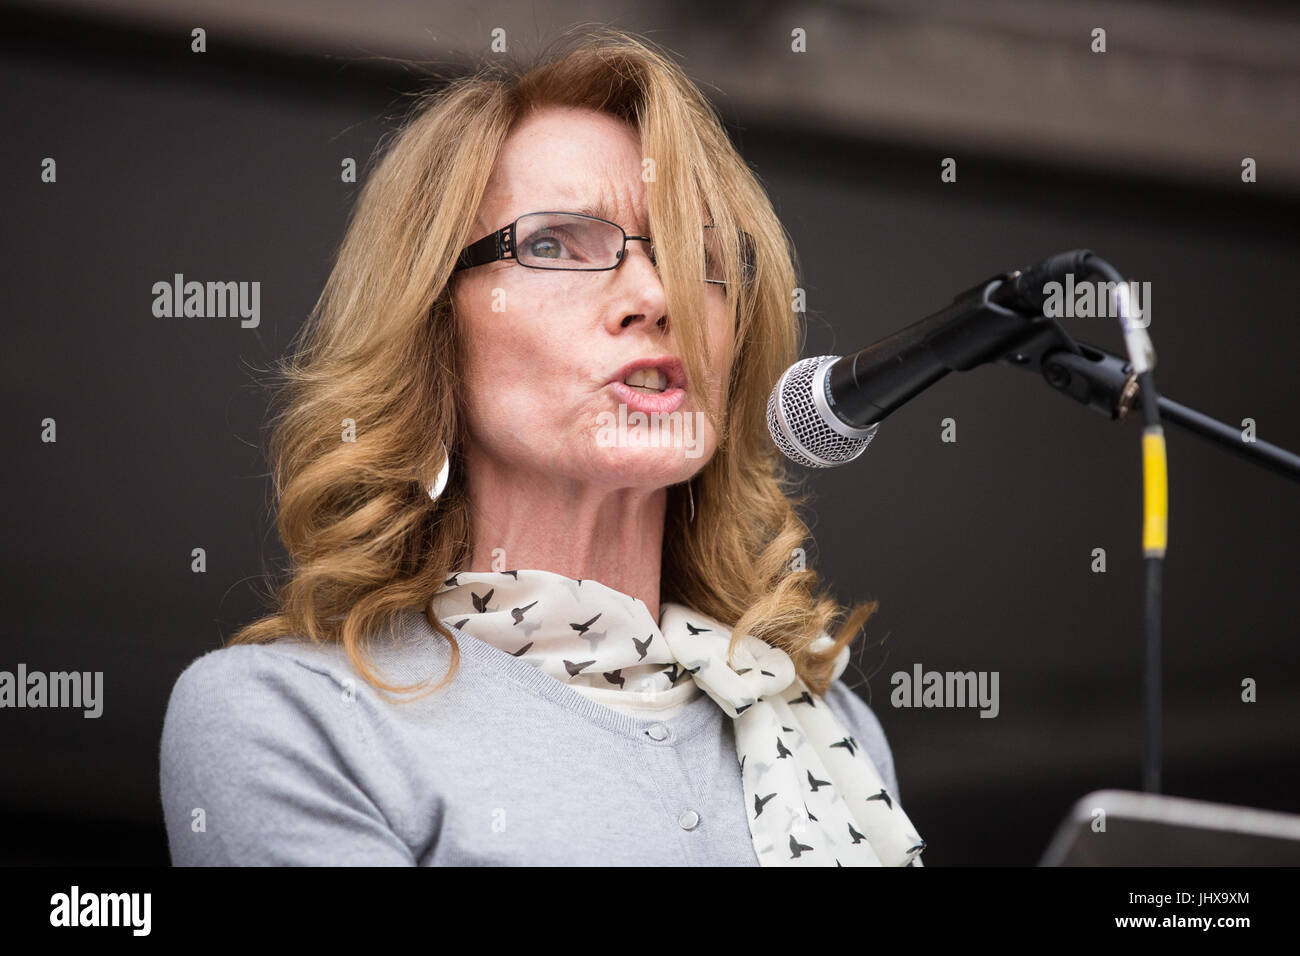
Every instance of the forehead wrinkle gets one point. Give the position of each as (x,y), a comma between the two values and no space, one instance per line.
(604,204)
(597,174)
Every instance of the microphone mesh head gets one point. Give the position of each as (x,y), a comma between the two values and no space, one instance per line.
(797,426)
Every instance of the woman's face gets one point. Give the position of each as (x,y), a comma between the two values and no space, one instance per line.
(546,348)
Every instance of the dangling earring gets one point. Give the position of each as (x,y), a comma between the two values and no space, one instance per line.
(441,481)
(691,494)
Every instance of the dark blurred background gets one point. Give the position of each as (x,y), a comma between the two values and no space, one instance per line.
(225,165)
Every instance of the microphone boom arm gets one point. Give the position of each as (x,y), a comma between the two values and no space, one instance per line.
(999,321)
(1106,383)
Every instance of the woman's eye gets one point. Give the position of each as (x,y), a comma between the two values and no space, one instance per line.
(545,247)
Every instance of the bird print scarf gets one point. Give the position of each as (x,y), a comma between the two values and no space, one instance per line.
(813,797)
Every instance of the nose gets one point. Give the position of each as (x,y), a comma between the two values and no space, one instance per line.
(645,289)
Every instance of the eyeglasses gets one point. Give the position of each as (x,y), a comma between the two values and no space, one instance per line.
(571,241)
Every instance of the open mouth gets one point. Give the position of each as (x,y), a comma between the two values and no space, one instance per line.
(656,383)
(648,381)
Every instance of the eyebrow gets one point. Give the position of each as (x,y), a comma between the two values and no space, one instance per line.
(601,209)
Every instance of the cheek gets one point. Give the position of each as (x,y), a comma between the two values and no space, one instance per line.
(522,359)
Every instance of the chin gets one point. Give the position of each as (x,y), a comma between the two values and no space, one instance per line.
(649,467)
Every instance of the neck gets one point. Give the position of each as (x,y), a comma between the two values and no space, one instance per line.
(606,534)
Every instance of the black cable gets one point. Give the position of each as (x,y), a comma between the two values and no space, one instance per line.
(1154,542)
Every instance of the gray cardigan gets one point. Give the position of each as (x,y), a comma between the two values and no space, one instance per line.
(282,754)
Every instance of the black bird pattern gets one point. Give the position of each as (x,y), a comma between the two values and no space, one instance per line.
(819,783)
(882,795)
(575,669)
(847,743)
(797,849)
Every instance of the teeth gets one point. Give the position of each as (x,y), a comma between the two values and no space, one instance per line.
(647,380)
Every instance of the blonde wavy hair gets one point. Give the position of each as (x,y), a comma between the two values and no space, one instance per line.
(381,349)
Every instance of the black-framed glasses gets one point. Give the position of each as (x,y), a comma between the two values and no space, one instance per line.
(575,242)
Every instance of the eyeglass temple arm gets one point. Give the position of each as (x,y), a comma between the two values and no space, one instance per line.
(488,249)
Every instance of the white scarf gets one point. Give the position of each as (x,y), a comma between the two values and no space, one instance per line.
(813,797)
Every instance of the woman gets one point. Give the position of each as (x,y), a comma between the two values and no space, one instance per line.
(635,665)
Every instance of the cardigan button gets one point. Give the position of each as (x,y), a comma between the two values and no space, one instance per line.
(688,820)
(657,731)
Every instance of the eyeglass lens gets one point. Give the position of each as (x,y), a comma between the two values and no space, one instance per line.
(564,241)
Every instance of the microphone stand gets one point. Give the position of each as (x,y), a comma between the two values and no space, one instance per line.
(1106,383)
(1001,321)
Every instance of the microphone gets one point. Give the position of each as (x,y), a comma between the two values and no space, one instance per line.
(824,411)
